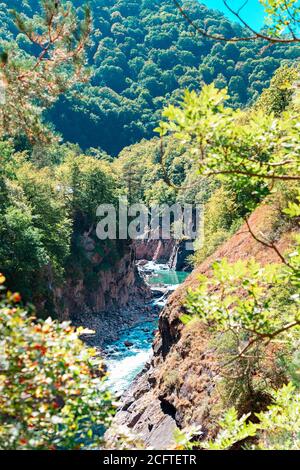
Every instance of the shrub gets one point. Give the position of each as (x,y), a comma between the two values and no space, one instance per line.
(52,391)
(220,221)
(277,428)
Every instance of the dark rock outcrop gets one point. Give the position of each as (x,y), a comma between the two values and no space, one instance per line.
(143,412)
(179,256)
(116,300)
(102,291)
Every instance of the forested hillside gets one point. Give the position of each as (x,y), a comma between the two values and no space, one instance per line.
(144,54)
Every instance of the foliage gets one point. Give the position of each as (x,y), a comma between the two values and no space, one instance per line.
(277,428)
(279,95)
(144,55)
(44,213)
(233,142)
(281,23)
(49,196)
(184,437)
(282,18)
(35,223)
(246,150)
(155,57)
(221,220)
(243,382)
(142,175)
(245,303)
(44,60)
(52,391)
(86,182)
(233,430)
(246,299)
(257,305)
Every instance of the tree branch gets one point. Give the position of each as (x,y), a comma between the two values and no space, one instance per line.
(256,35)
(255,175)
(272,246)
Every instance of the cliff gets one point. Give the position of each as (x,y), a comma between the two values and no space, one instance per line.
(171,252)
(158,251)
(115,288)
(101,289)
(179,386)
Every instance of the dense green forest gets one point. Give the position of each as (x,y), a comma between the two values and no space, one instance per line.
(141,58)
(143,54)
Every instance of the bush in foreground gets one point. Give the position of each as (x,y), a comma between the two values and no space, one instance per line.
(52,394)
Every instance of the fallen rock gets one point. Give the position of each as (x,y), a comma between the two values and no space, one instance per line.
(142,262)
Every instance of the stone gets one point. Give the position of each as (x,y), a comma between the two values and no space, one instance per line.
(142,262)
(179,257)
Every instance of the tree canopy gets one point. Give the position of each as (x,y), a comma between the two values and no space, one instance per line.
(143,55)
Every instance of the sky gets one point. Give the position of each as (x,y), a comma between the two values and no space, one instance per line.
(252,13)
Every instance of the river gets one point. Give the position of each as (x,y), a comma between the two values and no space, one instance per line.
(124,363)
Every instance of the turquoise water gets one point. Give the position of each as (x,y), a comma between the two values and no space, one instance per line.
(169,278)
(124,363)
(252,13)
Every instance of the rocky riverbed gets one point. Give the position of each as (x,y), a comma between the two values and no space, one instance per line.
(108,326)
(125,336)
(130,352)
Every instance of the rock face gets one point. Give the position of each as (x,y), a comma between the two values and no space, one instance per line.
(171,252)
(180,385)
(144,413)
(158,251)
(97,283)
(179,256)
(115,288)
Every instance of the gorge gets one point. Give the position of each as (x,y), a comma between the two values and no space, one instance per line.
(126,356)
(178,387)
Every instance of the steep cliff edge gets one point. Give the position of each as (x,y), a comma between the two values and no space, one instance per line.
(116,287)
(179,387)
(102,288)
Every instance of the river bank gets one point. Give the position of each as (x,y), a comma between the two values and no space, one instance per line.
(107,327)
(124,337)
(127,356)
